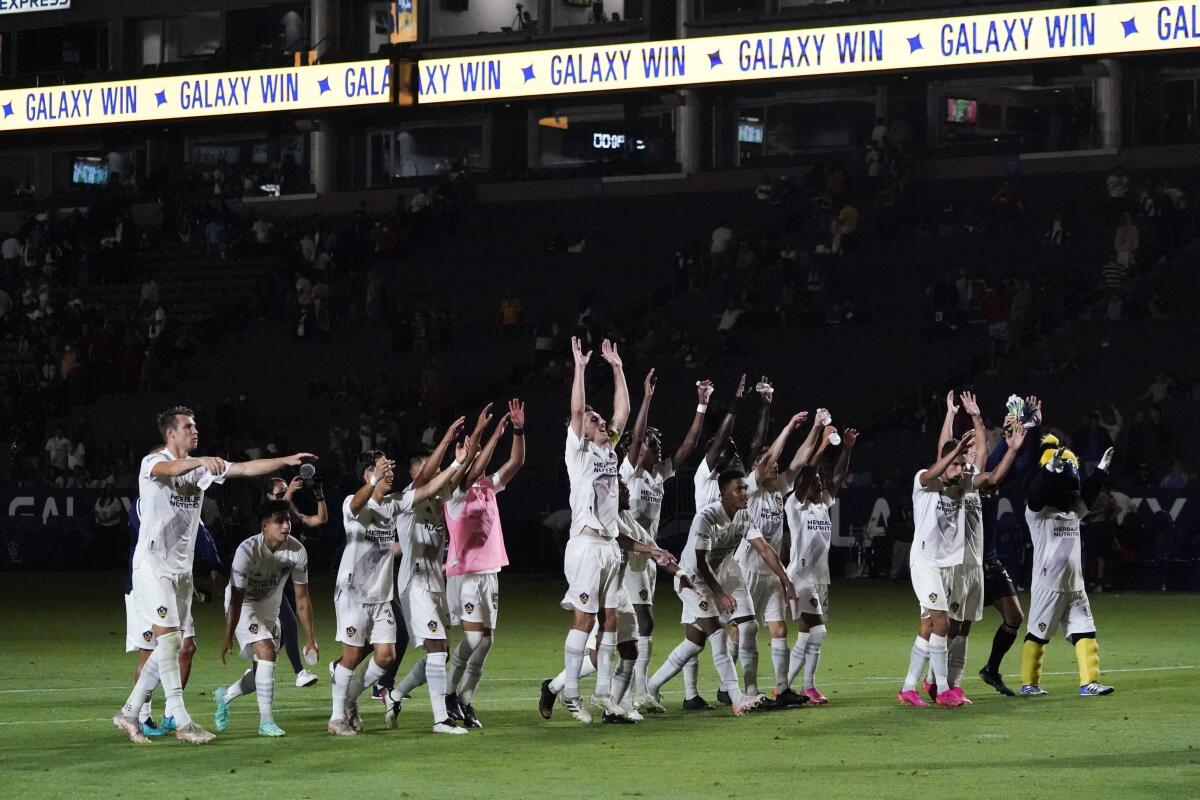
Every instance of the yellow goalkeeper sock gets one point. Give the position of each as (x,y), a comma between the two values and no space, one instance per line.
(1087,653)
(1032,654)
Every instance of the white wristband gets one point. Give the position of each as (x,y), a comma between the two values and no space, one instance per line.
(374,481)
(701,408)
(455,464)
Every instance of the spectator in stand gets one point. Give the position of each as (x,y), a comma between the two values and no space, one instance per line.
(264,233)
(420,205)
(1110,420)
(1159,389)
(1118,186)
(1008,206)
(1057,234)
(721,248)
(845,230)
(1115,275)
(10,253)
(511,308)
(1177,478)
(1126,240)
(57,449)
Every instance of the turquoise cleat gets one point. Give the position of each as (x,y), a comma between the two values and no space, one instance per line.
(269,728)
(221,718)
(150,728)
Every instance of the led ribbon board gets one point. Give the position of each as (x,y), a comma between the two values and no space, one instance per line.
(195,96)
(913,44)
(22,6)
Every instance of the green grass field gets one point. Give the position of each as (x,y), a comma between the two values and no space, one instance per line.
(63,673)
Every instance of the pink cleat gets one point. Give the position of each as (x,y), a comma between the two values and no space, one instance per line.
(951,698)
(815,697)
(959,692)
(910,697)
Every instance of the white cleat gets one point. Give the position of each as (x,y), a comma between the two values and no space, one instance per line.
(648,704)
(574,706)
(632,713)
(194,734)
(606,704)
(352,717)
(305,678)
(749,703)
(131,727)
(339,727)
(445,727)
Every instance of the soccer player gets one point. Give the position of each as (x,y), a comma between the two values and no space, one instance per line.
(812,529)
(645,471)
(1055,504)
(279,489)
(592,561)
(717,593)
(474,560)
(171,489)
(261,566)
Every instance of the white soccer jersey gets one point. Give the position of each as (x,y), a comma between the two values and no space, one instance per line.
(812,531)
(1057,562)
(713,531)
(593,473)
(170,514)
(707,489)
(628,525)
(646,491)
(766,510)
(365,571)
(261,573)
(939,520)
(421,530)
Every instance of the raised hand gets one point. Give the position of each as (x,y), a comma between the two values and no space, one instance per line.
(295,459)
(648,383)
(969,404)
(1033,400)
(516,412)
(798,419)
(704,390)
(461,452)
(608,351)
(293,487)
(951,409)
(455,429)
(502,425)
(765,389)
(1014,437)
(1106,459)
(849,437)
(964,444)
(828,433)
(581,358)
(484,418)
(741,390)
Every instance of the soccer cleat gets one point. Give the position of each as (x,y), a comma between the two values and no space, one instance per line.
(966,701)
(1032,690)
(616,719)
(632,713)
(132,728)
(546,700)
(391,707)
(994,679)
(305,678)
(931,690)
(696,703)
(649,704)
(469,718)
(723,698)
(789,699)
(606,704)
(815,697)
(221,717)
(453,708)
(1095,689)
(949,699)
(446,726)
(353,719)
(379,692)
(194,734)
(150,728)
(332,666)
(269,728)
(749,703)
(168,724)
(574,705)
(339,727)
(911,697)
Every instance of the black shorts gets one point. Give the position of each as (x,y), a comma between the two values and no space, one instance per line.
(996,583)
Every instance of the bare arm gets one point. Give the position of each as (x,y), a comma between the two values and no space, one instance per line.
(1013,438)
(516,455)
(308,520)
(722,435)
(578,390)
(182,466)
(440,481)
(468,476)
(265,466)
(684,451)
(776,450)
(434,462)
(236,596)
(478,467)
(842,468)
(948,423)
(804,452)
(381,476)
(938,467)
(620,414)
(641,420)
(304,610)
(971,405)
(767,393)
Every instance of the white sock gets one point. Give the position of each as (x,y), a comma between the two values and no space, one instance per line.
(812,655)
(264,687)
(719,646)
(684,653)
(167,656)
(938,660)
(956,660)
(587,668)
(797,656)
(414,678)
(435,676)
(466,689)
(573,662)
(691,677)
(621,677)
(916,664)
(139,698)
(361,681)
(748,650)
(244,685)
(341,687)
(146,712)
(606,648)
(458,659)
(780,658)
(641,666)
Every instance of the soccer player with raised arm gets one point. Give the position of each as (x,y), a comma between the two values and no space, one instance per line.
(1056,502)
(717,592)
(645,471)
(261,566)
(171,488)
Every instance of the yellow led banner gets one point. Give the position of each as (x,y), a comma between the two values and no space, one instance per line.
(914,44)
(193,96)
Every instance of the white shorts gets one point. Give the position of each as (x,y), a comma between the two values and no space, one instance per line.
(163,600)
(593,569)
(701,603)
(360,623)
(627,627)
(1049,610)
(139,635)
(474,598)
(255,626)
(966,593)
(425,614)
(766,595)
(811,598)
(641,585)
(931,584)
